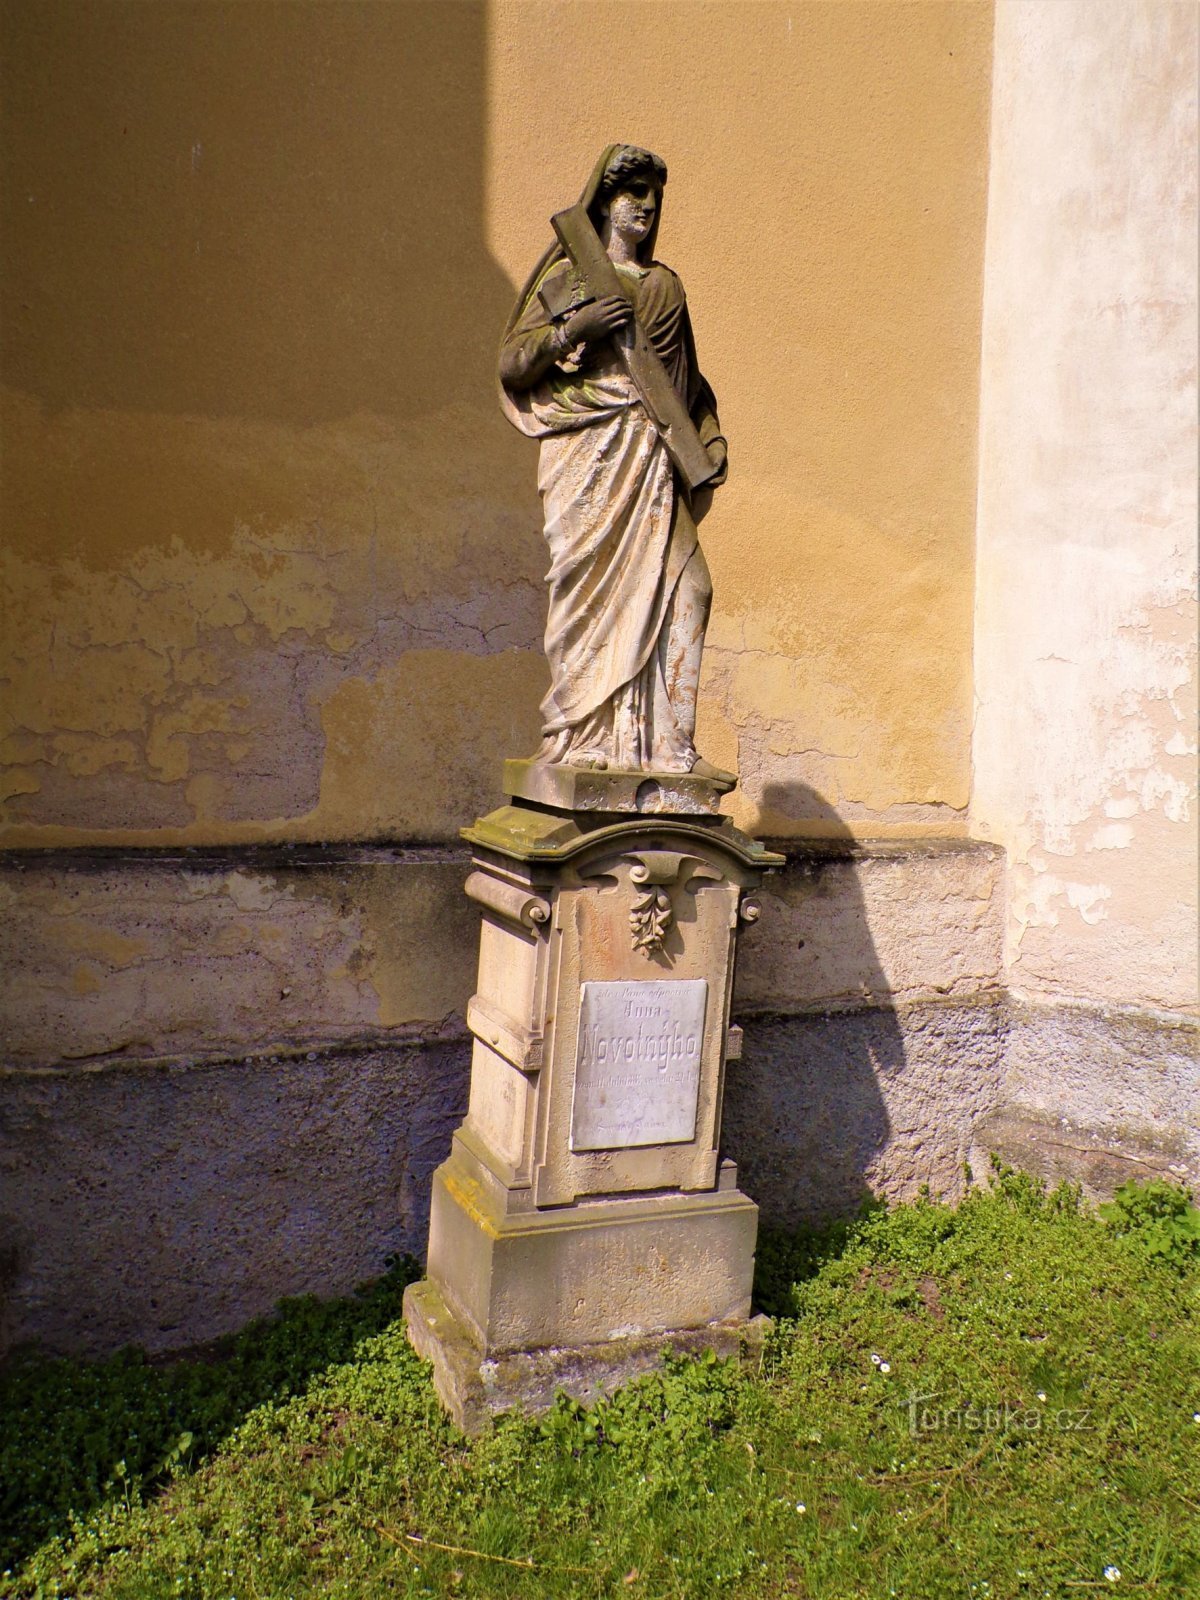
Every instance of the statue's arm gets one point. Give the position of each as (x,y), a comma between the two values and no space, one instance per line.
(527,355)
(534,344)
(702,403)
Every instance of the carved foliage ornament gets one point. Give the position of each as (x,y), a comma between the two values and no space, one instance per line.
(655,873)
(650,916)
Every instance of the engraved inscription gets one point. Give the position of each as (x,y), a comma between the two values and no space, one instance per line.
(637,1063)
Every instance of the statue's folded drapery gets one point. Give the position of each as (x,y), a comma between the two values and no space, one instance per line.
(629,588)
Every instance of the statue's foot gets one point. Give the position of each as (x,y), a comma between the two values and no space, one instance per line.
(705,769)
(590,760)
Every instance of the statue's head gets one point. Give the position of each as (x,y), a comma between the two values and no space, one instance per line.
(627,162)
(627,200)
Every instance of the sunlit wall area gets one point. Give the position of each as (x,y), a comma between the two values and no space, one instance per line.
(274,558)
(825,207)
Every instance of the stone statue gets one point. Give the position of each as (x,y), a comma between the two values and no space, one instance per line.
(611,887)
(599,364)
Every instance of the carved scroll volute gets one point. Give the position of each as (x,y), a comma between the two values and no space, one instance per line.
(654,876)
(511,901)
(655,872)
(750,908)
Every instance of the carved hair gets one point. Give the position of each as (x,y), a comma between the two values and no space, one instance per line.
(631,162)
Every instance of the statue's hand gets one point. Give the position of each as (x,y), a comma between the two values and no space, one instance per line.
(702,497)
(599,320)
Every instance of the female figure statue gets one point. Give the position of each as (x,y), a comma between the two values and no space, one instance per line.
(629,586)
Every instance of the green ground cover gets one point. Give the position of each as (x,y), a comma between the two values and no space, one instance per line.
(992,1401)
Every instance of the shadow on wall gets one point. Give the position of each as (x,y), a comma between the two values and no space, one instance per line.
(267,211)
(249,327)
(805,1117)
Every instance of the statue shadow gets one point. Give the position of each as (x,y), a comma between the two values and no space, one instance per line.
(805,1114)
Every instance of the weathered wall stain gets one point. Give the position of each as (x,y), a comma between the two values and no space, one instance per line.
(254,475)
(183,956)
(168,1204)
(1085,611)
(206,953)
(285,691)
(896,926)
(249,1095)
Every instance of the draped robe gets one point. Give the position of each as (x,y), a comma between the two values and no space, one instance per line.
(628,587)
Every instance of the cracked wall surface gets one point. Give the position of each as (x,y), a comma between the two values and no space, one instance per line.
(274,563)
(212,954)
(183,956)
(1085,741)
(893,925)
(1097,1097)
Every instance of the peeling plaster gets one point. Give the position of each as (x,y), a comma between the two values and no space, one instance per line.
(1115,836)
(199,961)
(1086,580)
(190,698)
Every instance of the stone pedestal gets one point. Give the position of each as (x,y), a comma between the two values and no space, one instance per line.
(584,1220)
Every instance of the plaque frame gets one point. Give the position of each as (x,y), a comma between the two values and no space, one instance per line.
(665,1060)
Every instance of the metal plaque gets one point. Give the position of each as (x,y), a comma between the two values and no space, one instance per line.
(637,1064)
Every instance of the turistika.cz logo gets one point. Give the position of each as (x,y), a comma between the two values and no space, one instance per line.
(993,1416)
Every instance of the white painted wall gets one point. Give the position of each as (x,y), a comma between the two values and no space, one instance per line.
(1085,654)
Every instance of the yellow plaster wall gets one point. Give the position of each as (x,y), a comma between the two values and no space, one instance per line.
(272,564)
(825,208)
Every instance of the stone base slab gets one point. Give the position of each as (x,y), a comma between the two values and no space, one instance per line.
(568,788)
(591,1272)
(475,1389)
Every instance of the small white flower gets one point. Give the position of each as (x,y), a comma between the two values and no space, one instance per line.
(1042,1396)
(1196,1416)
(875,1360)
(884,1368)
(1008,1277)
(1113,1574)
(801,1507)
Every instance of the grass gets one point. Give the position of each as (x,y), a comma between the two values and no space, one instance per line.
(986,1402)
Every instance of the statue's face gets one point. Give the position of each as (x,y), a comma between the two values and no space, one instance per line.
(631,210)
